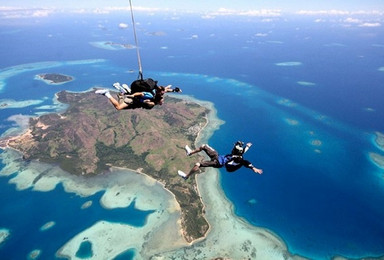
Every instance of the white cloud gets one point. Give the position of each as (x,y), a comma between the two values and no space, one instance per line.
(319,20)
(339,12)
(123,25)
(6,8)
(370,25)
(8,12)
(361,23)
(347,18)
(261,34)
(267,14)
(322,12)
(41,13)
(232,12)
(135,9)
(267,20)
(352,20)
(80,11)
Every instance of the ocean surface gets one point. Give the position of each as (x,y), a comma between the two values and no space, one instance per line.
(307,94)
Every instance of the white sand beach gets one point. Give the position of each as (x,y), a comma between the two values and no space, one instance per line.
(379,140)
(4,234)
(289,63)
(9,72)
(377,158)
(47,225)
(111,239)
(34,254)
(230,237)
(8,103)
(306,83)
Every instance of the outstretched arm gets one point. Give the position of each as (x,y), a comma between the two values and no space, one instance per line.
(247,146)
(249,165)
(256,170)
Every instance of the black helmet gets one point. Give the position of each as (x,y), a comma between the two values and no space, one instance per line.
(238,148)
(240,143)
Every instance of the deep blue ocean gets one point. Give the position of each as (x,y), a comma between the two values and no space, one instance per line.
(322,199)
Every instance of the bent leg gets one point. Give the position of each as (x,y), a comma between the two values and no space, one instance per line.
(196,150)
(213,155)
(193,170)
(207,149)
(118,105)
(212,163)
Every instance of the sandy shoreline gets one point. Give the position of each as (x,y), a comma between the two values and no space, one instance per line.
(250,241)
(52,82)
(379,140)
(229,236)
(4,234)
(375,157)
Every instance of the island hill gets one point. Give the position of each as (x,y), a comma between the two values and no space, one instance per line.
(91,136)
(54,78)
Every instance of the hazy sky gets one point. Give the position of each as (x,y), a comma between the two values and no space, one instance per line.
(210,5)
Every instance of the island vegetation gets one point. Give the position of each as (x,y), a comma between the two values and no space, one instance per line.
(54,78)
(91,136)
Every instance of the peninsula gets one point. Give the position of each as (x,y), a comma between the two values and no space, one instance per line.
(54,78)
(91,136)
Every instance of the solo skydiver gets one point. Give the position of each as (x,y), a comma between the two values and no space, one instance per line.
(231,162)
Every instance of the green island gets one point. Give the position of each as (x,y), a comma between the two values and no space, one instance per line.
(91,136)
(54,78)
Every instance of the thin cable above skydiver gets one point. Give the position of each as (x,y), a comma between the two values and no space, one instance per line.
(143,93)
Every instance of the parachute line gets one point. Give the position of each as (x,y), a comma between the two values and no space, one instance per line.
(136,42)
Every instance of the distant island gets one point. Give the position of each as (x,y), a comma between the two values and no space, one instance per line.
(54,78)
(112,46)
(377,158)
(122,45)
(379,139)
(91,136)
(4,234)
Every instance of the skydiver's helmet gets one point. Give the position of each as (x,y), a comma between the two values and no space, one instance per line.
(238,149)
